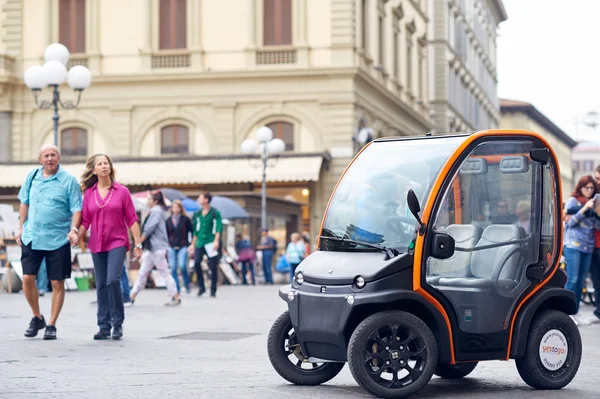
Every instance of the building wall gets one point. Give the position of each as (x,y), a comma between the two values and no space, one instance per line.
(517,120)
(226,83)
(585,159)
(464,97)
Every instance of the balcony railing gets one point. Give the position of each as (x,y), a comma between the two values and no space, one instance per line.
(171,59)
(77,59)
(276,55)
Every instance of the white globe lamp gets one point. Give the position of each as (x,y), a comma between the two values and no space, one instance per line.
(79,77)
(249,146)
(57,52)
(34,78)
(276,146)
(264,134)
(54,73)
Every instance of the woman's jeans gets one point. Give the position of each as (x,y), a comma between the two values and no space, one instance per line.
(578,266)
(108,267)
(247,264)
(178,260)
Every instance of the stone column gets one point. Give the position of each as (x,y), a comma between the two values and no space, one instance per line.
(5,136)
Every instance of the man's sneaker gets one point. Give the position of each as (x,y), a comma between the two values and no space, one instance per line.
(35,325)
(102,335)
(174,302)
(117,332)
(50,332)
(201,291)
(128,304)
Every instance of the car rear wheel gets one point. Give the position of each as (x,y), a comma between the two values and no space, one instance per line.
(454,371)
(288,360)
(392,354)
(553,351)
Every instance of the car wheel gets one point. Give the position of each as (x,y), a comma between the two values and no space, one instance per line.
(553,351)
(288,360)
(454,371)
(392,354)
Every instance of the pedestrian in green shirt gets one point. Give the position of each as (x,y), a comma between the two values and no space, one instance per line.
(208,228)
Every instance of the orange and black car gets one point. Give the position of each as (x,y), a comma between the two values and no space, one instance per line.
(435,253)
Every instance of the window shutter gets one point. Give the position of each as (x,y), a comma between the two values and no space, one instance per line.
(269,22)
(164,24)
(79,23)
(285,132)
(180,24)
(64,18)
(285,25)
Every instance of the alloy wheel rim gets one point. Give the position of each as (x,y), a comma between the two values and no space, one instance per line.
(395,356)
(293,353)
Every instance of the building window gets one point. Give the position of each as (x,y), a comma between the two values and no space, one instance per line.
(588,166)
(73,142)
(174,139)
(172,24)
(381,54)
(277,22)
(71,22)
(396,54)
(363,24)
(409,61)
(576,166)
(285,132)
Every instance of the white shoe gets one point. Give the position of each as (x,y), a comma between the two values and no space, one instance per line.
(128,304)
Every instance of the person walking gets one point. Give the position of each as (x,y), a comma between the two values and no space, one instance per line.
(268,247)
(579,239)
(49,214)
(208,228)
(155,243)
(179,229)
(246,256)
(295,252)
(108,212)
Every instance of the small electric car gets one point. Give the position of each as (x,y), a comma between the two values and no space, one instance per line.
(435,253)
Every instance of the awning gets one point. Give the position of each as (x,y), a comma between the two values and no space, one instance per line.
(207,170)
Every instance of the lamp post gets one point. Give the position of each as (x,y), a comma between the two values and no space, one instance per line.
(53,73)
(362,135)
(267,146)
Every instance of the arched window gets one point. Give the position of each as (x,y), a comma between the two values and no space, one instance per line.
(73,142)
(174,139)
(285,132)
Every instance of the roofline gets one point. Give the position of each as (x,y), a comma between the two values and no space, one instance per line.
(531,111)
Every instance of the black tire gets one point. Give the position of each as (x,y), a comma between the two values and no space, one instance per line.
(553,371)
(454,371)
(282,332)
(407,339)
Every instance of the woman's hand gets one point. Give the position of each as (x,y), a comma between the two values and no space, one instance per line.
(589,205)
(137,252)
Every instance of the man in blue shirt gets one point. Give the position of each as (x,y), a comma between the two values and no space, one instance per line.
(50,209)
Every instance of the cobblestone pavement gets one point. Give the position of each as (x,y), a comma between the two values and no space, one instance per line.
(145,364)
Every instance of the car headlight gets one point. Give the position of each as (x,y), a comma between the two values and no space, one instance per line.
(360,282)
(350,300)
(299,277)
(291,295)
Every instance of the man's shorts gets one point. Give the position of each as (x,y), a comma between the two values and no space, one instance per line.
(58,262)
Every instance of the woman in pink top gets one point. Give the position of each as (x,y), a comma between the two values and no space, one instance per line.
(108,209)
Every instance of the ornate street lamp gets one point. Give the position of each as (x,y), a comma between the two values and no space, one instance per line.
(267,146)
(53,74)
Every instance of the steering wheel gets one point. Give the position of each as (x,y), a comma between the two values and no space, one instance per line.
(518,251)
(394,224)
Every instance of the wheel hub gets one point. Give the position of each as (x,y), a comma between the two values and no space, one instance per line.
(395,355)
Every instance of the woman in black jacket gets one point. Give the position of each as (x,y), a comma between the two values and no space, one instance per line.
(179,230)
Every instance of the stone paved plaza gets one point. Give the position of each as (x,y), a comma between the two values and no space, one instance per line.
(145,364)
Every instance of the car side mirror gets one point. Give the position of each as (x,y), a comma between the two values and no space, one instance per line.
(442,246)
(415,208)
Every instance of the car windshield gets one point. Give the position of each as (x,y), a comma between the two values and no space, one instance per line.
(369,204)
